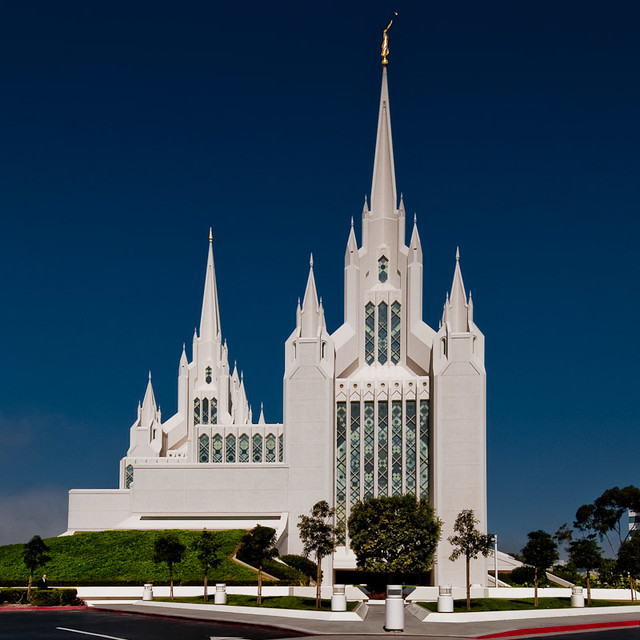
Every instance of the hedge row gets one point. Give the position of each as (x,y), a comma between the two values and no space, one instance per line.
(40,597)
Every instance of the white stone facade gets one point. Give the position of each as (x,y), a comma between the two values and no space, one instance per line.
(385,405)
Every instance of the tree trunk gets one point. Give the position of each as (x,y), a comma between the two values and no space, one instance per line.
(535,585)
(29,586)
(468,584)
(588,588)
(318,579)
(206,580)
(260,584)
(171,582)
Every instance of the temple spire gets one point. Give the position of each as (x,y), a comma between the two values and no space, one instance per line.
(210,318)
(310,307)
(458,313)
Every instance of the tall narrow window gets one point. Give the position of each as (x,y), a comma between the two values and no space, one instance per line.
(128,477)
(216,448)
(383,269)
(270,445)
(424,448)
(383,448)
(369,332)
(395,332)
(214,411)
(243,448)
(257,448)
(280,448)
(396,447)
(230,453)
(369,423)
(205,411)
(341,468)
(410,446)
(383,309)
(203,448)
(207,375)
(196,411)
(354,438)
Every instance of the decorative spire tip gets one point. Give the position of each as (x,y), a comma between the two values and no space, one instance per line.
(311,259)
(385,42)
(210,234)
(457,254)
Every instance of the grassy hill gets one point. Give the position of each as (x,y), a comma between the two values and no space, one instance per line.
(122,558)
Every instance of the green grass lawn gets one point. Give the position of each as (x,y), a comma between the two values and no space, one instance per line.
(280,602)
(520,604)
(121,558)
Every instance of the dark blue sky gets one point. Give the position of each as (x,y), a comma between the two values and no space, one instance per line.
(127,129)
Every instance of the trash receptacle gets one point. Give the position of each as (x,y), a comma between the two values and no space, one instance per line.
(147,594)
(394,608)
(445,598)
(338,598)
(577,597)
(221,594)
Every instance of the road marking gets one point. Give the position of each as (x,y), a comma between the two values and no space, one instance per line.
(226,638)
(88,633)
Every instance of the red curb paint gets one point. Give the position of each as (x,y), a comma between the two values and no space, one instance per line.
(561,629)
(58,608)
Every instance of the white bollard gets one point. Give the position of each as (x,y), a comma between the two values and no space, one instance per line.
(147,594)
(338,598)
(445,598)
(221,594)
(577,597)
(394,608)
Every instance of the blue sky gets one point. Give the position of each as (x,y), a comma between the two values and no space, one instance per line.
(128,129)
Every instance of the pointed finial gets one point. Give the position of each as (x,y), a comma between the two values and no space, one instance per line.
(149,376)
(457,254)
(385,42)
(210,235)
(311,259)
(298,300)
(352,222)
(415,217)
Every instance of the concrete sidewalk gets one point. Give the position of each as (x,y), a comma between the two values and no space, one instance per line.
(374,620)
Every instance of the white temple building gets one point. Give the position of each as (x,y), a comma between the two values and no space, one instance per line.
(384,405)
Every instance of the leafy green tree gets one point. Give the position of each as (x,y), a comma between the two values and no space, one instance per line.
(540,553)
(629,560)
(397,534)
(168,548)
(34,555)
(609,573)
(318,535)
(207,549)
(586,554)
(469,542)
(257,546)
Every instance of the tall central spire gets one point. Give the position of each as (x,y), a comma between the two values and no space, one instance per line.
(210,318)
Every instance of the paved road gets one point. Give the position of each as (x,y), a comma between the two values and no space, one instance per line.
(93,625)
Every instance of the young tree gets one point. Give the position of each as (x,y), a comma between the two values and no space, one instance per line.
(540,553)
(207,548)
(34,555)
(629,560)
(397,534)
(468,542)
(168,548)
(318,535)
(258,545)
(586,554)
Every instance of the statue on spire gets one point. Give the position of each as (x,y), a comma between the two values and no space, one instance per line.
(385,41)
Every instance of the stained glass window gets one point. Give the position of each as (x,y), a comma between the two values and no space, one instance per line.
(196,411)
(270,443)
(128,478)
(205,411)
(383,448)
(216,448)
(341,468)
(383,309)
(257,448)
(207,375)
(203,448)
(354,439)
(280,448)
(410,446)
(395,332)
(214,411)
(383,269)
(369,332)
(424,448)
(230,442)
(369,423)
(396,447)
(243,448)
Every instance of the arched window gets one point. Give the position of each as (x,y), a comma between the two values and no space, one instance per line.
(395,332)
(216,448)
(207,375)
(196,411)
(214,411)
(383,309)
(205,411)
(243,448)
(270,444)
(383,269)
(230,442)
(280,448)
(257,448)
(203,448)
(128,476)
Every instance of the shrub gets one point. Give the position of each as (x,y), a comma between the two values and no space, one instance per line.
(68,596)
(523,575)
(12,596)
(302,564)
(284,572)
(45,598)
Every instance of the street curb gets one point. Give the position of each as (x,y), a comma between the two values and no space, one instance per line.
(56,608)
(560,629)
